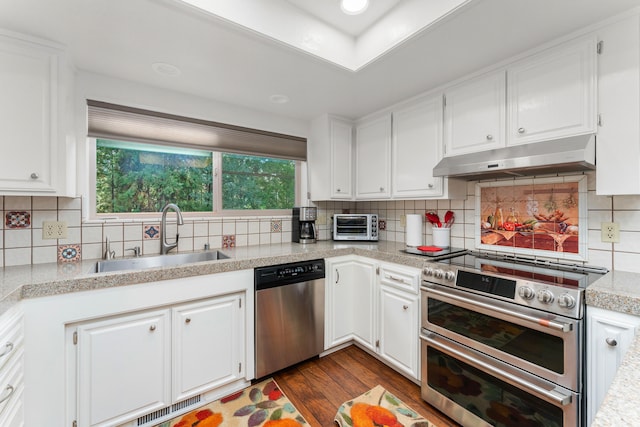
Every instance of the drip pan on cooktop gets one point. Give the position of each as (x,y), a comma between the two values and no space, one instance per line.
(442,253)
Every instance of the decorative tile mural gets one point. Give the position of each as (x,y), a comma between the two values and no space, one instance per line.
(18,219)
(536,217)
(69,253)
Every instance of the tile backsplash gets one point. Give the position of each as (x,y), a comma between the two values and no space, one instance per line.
(625,210)
(21,239)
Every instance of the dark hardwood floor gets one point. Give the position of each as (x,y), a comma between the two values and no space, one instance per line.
(319,386)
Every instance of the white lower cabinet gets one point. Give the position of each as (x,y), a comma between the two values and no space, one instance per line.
(349,311)
(609,335)
(124,367)
(377,307)
(131,365)
(207,349)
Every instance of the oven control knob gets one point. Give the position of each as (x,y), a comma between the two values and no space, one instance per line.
(526,293)
(428,271)
(545,296)
(566,301)
(438,274)
(449,276)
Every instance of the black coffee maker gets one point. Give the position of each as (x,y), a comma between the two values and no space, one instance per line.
(304,225)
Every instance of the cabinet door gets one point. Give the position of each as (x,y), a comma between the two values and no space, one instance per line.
(474,115)
(341,159)
(339,299)
(364,300)
(373,159)
(416,149)
(609,335)
(124,368)
(552,95)
(208,345)
(399,322)
(28,106)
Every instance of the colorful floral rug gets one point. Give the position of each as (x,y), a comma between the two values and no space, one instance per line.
(261,405)
(378,407)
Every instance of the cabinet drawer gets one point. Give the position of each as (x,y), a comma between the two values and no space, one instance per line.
(11,336)
(406,279)
(11,381)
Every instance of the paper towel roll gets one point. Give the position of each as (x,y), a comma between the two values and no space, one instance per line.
(414,230)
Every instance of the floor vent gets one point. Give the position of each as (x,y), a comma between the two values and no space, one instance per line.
(161,413)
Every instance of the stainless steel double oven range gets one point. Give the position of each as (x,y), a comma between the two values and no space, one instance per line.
(503,340)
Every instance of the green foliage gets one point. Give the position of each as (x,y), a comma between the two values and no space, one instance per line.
(131,180)
(140,181)
(250,182)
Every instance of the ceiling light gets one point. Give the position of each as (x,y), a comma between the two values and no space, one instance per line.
(165,69)
(279,99)
(354,7)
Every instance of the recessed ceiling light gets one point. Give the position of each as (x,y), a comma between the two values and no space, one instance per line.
(279,99)
(354,7)
(165,69)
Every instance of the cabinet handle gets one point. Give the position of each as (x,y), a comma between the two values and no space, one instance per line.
(404,307)
(187,320)
(397,279)
(34,175)
(611,342)
(430,185)
(338,190)
(381,189)
(489,137)
(337,276)
(152,328)
(7,348)
(521,130)
(9,391)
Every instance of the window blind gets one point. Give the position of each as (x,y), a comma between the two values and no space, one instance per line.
(111,121)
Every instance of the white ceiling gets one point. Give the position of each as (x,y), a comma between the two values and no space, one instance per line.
(230,63)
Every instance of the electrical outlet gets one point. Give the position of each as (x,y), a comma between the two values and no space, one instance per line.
(54,230)
(403,220)
(610,232)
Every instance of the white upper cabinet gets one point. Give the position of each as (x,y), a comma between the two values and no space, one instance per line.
(618,140)
(330,160)
(474,115)
(416,148)
(35,114)
(553,94)
(373,158)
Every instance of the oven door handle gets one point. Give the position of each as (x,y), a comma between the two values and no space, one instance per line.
(552,324)
(552,396)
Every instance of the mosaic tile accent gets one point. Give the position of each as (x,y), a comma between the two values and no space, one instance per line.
(69,253)
(229,241)
(276,225)
(382,225)
(151,232)
(18,219)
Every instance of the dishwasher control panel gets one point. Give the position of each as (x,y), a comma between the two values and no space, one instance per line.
(283,274)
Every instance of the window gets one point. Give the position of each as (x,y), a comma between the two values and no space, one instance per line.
(135,177)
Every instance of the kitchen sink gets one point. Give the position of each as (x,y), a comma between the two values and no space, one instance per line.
(156,261)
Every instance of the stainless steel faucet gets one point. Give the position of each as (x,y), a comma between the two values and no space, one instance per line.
(166,247)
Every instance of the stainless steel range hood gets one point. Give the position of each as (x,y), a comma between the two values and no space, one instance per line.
(571,154)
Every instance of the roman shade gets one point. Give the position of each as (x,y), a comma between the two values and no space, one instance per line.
(111,121)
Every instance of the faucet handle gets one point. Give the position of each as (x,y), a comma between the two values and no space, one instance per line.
(137,251)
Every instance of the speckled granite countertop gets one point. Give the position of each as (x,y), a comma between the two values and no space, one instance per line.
(32,281)
(620,291)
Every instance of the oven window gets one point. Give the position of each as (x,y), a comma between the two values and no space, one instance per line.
(352,225)
(528,344)
(498,403)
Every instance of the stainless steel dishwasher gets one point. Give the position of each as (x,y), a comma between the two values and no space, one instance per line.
(289,314)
